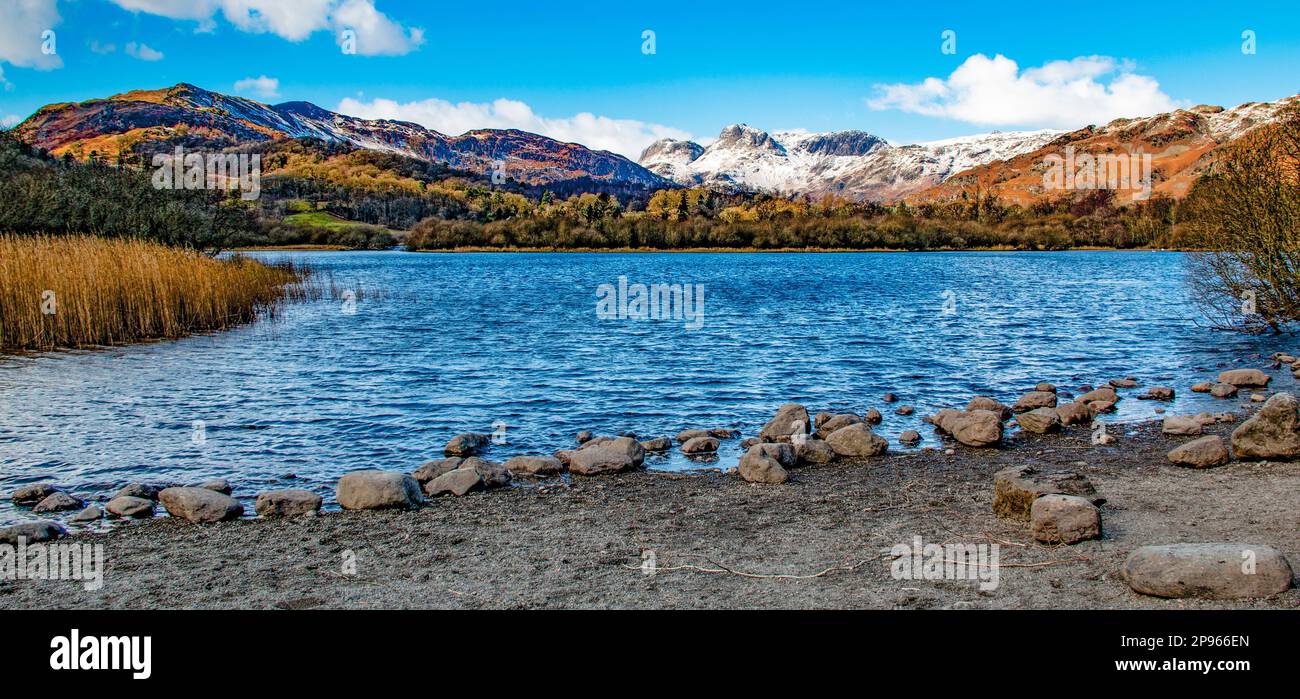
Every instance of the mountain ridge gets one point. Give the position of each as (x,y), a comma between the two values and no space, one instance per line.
(116,123)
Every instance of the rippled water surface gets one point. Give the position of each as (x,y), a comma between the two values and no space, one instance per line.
(459,342)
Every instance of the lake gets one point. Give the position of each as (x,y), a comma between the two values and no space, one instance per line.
(436,344)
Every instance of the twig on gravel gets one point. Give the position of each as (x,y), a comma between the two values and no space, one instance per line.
(761,576)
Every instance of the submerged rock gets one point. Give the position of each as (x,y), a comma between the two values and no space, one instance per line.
(220,485)
(700,445)
(1223,390)
(32,494)
(58,501)
(1245,378)
(657,444)
(466,444)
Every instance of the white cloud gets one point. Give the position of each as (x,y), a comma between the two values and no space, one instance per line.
(142,52)
(22,25)
(626,137)
(376,34)
(10,121)
(1059,94)
(260,86)
(102,49)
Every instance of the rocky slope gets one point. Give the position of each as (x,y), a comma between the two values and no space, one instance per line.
(109,126)
(1182,145)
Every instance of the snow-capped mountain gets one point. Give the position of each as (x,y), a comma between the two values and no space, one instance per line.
(853,164)
(184,111)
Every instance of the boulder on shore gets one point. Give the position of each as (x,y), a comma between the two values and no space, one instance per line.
(599,461)
(1158,393)
(199,504)
(32,532)
(1180,425)
(1015,489)
(1033,401)
(1271,433)
(130,506)
(1064,519)
(457,482)
(290,502)
(785,454)
(1208,571)
(1040,421)
(757,467)
(986,403)
(813,451)
(139,490)
(790,419)
(537,465)
(1075,413)
(857,441)
(432,469)
(1206,452)
(975,428)
(378,490)
(872,417)
(90,514)
(835,422)
(1202,386)
(909,438)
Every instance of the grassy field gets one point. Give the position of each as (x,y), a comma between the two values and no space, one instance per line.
(77,291)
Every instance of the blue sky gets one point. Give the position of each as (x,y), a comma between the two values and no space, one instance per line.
(811,65)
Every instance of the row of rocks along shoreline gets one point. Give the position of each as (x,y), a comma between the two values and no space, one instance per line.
(1059,506)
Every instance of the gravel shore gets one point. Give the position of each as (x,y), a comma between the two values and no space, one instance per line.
(716,541)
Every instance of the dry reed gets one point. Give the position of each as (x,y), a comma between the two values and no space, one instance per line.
(78,291)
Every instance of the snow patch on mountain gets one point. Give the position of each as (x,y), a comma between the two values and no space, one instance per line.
(854,164)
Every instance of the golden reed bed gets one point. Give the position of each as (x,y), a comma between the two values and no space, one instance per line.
(76,291)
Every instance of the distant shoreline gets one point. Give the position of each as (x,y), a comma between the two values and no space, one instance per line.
(337,248)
